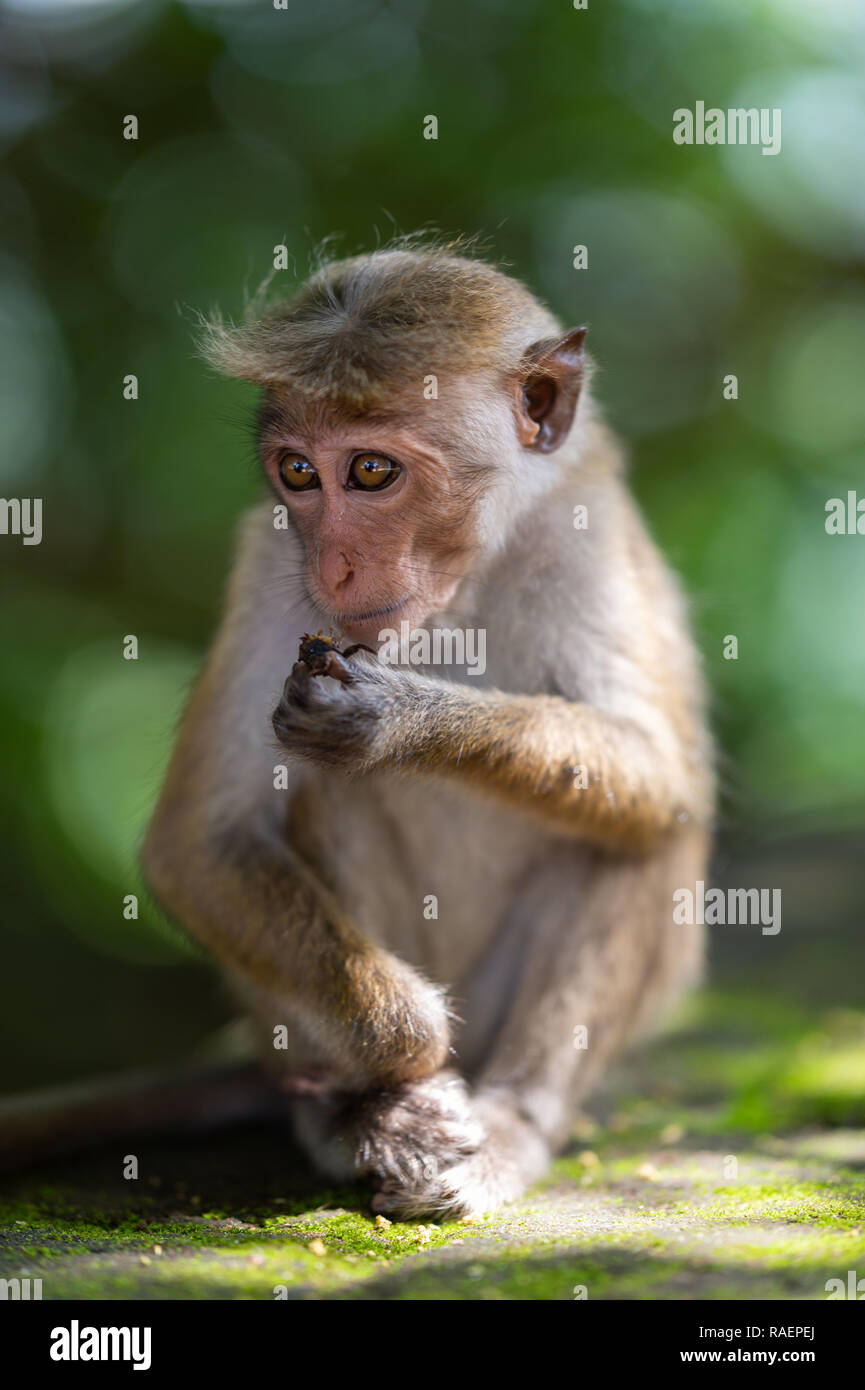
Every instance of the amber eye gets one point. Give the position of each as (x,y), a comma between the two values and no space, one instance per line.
(298,473)
(372,472)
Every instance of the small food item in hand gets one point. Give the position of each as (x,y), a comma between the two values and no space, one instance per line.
(322,656)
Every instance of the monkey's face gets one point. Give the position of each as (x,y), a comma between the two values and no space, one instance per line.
(385,517)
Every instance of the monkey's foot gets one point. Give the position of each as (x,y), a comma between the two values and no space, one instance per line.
(511,1156)
(402,1138)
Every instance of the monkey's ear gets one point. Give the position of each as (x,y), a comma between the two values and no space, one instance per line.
(548,389)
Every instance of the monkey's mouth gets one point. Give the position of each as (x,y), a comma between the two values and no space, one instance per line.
(369,615)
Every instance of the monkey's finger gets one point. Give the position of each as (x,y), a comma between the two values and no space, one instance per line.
(298,686)
(306,689)
(339,669)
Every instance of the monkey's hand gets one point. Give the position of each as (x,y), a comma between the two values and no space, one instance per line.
(402,1138)
(430,1147)
(346,724)
(510,1156)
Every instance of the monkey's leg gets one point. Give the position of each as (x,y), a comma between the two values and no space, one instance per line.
(605,968)
(374,1020)
(216,858)
(192,1099)
(382,1130)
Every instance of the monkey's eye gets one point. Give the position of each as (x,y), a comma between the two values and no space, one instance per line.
(298,473)
(372,472)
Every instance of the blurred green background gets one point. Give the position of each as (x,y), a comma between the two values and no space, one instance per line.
(260,126)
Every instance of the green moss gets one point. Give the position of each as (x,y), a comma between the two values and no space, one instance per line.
(644,1205)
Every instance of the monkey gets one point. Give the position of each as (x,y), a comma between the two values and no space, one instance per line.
(426,882)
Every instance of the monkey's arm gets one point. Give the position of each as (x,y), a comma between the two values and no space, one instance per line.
(606,778)
(611,780)
(217,859)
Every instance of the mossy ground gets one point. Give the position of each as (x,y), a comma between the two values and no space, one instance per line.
(729,1163)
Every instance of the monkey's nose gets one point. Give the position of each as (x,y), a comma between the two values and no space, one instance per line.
(337,572)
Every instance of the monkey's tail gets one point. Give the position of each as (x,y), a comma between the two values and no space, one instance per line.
(187,1100)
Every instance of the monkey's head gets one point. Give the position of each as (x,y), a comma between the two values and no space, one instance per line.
(411,400)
